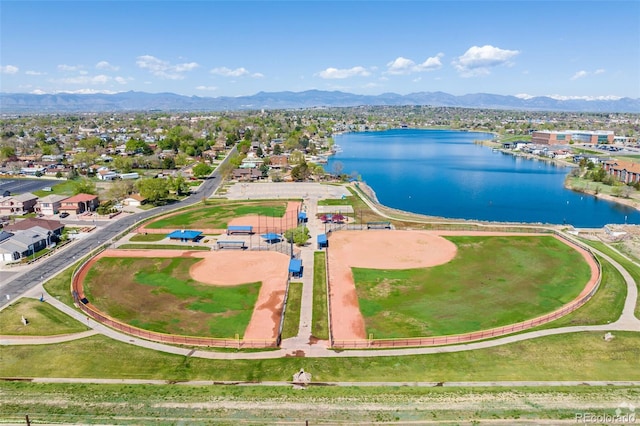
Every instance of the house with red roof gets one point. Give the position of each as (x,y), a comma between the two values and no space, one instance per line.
(80,203)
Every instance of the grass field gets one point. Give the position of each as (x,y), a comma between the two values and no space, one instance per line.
(65,187)
(59,403)
(320,324)
(216,216)
(292,315)
(604,307)
(43,319)
(147,238)
(159,295)
(513,278)
(576,356)
(633,270)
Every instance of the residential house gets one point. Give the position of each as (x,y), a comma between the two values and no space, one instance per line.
(246,174)
(54,227)
(134,200)
(18,204)
(50,204)
(106,174)
(278,162)
(25,243)
(624,171)
(80,203)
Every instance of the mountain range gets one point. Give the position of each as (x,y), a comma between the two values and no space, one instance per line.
(11,103)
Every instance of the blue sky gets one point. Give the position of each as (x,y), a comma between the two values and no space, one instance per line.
(586,49)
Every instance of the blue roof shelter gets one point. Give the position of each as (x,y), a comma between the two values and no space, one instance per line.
(271,237)
(322,241)
(185,235)
(302,217)
(295,267)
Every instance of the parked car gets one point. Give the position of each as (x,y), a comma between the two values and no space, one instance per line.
(64,214)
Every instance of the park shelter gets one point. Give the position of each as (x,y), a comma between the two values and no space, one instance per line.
(302,217)
(271,237)
(295,267)
(185,235)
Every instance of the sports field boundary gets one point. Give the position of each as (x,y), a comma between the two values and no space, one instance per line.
(584,296)
(91,311)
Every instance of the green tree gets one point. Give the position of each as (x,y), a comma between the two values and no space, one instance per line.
(301,172)
(201,170)
(85,186)
(299,236)
(296,157)
(123,164)
(120,189)
(179,185)
(154,190)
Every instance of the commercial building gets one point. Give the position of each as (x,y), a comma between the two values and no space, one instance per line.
(598,137)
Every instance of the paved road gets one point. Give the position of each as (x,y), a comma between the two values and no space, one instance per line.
(43,270)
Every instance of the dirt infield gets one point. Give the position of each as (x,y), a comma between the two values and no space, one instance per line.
(380,250)
(234,268)
(396,250)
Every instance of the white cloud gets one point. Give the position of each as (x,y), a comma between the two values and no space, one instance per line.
(238,72)
(87,91)
(207,88)
(65,67)
(85,79)
(104,65)
(479,60)
(599,71)
(401,65)
(9,69)
(120,80)
(579,74)
(164,69)
(335,73)
(30,72)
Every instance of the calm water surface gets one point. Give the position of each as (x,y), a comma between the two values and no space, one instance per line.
(443,173)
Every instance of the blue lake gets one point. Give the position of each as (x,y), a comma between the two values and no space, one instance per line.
(444,173)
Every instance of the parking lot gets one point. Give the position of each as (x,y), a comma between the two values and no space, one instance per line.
(20,186)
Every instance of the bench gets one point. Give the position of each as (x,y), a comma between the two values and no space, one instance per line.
(239,229)
(378,225)
(232,245)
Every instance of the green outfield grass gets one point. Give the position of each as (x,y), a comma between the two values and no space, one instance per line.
(292,314)
(43,319)
(492,281)
(158,294)
(217,215)
(320,324)
(603,308)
